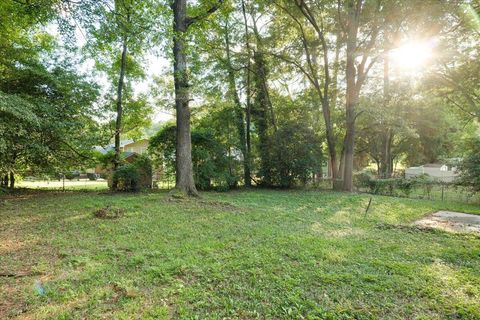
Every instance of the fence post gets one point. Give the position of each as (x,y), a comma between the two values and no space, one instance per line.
(442,190)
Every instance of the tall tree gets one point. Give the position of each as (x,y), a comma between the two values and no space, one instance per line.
(312,58)
(239,112)
(119,35)
(181,23)
(362,17)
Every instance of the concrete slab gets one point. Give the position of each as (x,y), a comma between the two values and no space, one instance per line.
(451,221)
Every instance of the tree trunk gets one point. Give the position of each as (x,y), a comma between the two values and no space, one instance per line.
(5,180)
(351,96)
(238,110)
(248,97)
(12,180)
(386,159)
(184,166)
(249,143)
(337,175)
(261,108)
(118,122)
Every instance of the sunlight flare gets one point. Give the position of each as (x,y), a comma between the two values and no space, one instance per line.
(412,55)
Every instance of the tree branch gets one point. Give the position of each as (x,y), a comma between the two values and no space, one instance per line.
(215,7)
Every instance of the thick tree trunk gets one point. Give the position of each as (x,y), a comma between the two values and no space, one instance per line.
(118,122)
(386,168)
(341,165)
(248,110)
(337,175)
(248,126)
(184,166)
(12,180)
(238,111)
(330,141)
(5,180)
(261,108)
(351,95)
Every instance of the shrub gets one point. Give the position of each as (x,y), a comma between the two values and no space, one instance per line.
(469,166)
(361,180)
(126,178)
(383,186)
(143,164)
(426,182)
(406,186)
(133,176)
(293,162)
(212,166)
(69,176)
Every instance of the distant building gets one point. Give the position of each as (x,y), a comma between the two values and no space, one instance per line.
(441,172)
(130,150)
(139,146)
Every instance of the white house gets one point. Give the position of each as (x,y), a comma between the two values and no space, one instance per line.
(441,172)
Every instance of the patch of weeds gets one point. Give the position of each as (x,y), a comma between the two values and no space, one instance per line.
(109,212)
(426,229)
(157,275)
(217,205)
(406,228)
(204,204)
(157,312)
(136,261)
(122,290)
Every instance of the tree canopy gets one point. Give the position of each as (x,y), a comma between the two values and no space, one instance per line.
(269,93)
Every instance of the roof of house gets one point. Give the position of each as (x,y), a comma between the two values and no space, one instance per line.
(128,154)
(111,147)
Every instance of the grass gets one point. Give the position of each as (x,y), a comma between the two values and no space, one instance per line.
(450,193)
(238,255)
(70,185)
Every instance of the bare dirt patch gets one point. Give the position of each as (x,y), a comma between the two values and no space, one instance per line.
(451,221)
(109,212)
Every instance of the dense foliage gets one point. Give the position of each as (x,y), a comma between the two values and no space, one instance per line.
(133,176)
(470,166)
(212,165)
(266,93)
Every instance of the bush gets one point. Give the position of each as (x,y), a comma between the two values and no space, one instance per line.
(406,186)
(426,182)
(469,167)
(133,176)
(126,178)
(143,164)
(296,155)
(212,166)
(383,186)
(361,180)
(69,176)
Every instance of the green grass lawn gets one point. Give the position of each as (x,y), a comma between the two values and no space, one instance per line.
(75,185)
(237,255)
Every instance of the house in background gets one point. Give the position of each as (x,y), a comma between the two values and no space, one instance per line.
(139,146)
(130,150)
(441,172)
